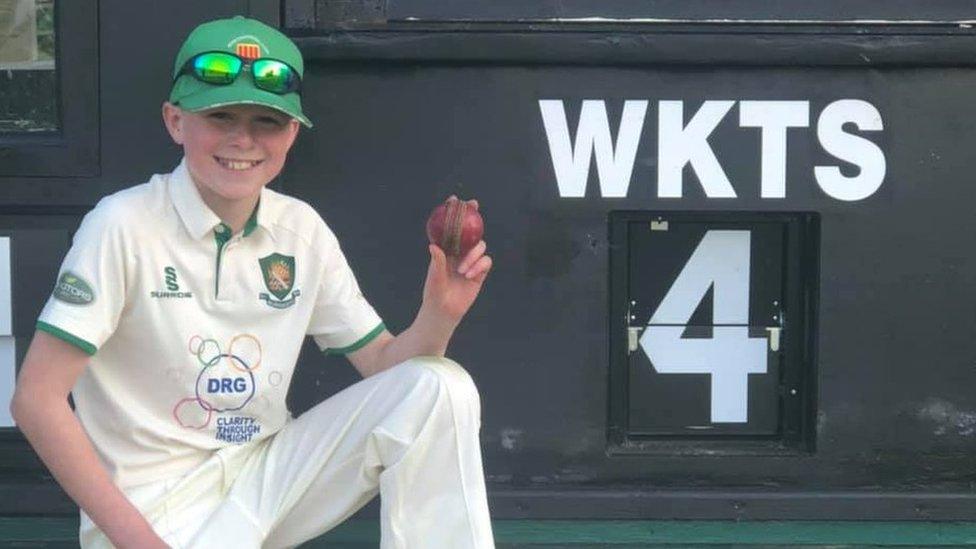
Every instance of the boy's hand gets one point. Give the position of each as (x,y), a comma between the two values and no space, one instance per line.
(453,284)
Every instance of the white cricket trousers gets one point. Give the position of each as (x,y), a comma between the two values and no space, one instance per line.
(409,433)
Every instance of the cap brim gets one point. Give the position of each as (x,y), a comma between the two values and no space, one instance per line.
(241,92)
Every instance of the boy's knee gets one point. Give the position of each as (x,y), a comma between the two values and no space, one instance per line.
(447,373)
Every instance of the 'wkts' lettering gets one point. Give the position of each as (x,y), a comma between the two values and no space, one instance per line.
(681,144)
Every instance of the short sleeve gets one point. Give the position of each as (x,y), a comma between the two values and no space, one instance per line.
(90,290)
(343,321)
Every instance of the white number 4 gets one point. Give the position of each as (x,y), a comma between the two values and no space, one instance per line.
(730,355)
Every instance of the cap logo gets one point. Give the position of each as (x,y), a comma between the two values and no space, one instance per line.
(248,51)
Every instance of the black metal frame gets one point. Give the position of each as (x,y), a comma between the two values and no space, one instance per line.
(69,157)
(27,487)
(74,149)
(634,32)
(352,12)
(15,454)
(738,45)
(798,376)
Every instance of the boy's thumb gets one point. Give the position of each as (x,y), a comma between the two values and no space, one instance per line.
(436,255)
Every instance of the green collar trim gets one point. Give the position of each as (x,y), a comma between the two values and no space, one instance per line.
(222,231)
(222,234)
(252,222)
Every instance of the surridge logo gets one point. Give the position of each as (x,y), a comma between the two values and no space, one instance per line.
(171,285)
(278,271)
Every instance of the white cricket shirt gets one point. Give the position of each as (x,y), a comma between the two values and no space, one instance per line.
(194,332)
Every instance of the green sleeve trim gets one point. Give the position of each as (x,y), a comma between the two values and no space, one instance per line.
(65,336)
(359,344)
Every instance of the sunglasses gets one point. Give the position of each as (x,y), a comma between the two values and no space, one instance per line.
(222,68)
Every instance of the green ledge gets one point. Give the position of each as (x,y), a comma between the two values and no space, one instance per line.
(663,533)
(65,336)
(603,533)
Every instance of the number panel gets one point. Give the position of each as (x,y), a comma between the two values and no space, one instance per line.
(656,258)
(679,404)
(700,364)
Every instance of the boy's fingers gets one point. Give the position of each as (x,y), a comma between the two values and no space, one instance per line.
(480,269)
(472,203)
(473,254)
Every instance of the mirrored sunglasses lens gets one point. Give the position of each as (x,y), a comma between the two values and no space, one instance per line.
(273,76)
(217,68)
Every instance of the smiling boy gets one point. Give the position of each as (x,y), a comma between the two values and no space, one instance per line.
(176,322)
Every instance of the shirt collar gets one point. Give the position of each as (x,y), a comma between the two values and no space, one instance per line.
(199,219)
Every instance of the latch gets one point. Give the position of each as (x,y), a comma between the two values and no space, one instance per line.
(774,338)
(633,338)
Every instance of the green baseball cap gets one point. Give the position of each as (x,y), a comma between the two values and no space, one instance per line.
(246,38)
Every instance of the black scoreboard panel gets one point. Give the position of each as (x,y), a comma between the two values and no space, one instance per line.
(870,287)
(36,241)
(38,244)
(876,151)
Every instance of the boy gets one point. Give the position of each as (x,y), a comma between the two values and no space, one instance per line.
(188,298)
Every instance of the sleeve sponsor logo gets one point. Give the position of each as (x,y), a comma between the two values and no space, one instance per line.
(73,289)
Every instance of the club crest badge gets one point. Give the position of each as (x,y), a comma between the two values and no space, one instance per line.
(278,272)
(248,51)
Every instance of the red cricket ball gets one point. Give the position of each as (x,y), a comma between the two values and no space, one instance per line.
(455,226)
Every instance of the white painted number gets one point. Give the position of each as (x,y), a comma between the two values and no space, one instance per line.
(730,355)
